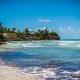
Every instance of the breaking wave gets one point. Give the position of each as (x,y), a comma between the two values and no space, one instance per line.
(31,45)
(53,73)
(69,44)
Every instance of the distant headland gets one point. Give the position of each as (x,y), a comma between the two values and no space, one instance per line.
(7,34)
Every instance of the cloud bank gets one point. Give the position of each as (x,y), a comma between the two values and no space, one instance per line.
(69,30)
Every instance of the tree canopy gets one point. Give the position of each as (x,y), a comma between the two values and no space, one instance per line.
(26,34)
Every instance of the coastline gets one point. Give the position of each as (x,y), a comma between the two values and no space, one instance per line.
(1,43)
(14,73)
(48,71)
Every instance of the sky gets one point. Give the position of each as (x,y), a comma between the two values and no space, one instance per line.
(62,16)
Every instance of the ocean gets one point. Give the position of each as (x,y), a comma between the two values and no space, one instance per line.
(50,59)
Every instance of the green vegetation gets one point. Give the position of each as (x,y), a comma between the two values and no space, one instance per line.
(7,34)
(2,30)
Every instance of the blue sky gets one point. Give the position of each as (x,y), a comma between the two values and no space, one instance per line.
(62,16)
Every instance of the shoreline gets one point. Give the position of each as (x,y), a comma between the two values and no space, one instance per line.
(14,73)
(1,43)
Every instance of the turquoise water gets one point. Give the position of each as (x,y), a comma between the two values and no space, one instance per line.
(60,57)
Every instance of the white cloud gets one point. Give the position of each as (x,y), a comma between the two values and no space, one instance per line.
(44,20)
(69,30)
(30,29)
(41,28)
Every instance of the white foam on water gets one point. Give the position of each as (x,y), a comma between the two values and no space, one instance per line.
(78,45)
(66,45)
(24,45)
(69,44)
(77,72)
(66,72)
(31,45)
(63,44)
(20,44)
(37,41)
(44,72)
(51,73)
(27,45)
(48,73)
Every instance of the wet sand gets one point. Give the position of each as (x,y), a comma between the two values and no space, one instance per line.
(13,73)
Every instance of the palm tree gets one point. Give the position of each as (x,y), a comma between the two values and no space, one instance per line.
(14,29)
(27,31)
(1,34)
(0,27)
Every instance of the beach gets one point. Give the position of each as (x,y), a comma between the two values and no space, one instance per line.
(40,60)
(40,40)
(13,73)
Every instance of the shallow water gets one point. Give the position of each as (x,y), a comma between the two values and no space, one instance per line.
(53,60)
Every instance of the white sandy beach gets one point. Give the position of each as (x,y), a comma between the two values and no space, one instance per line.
(13,73)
